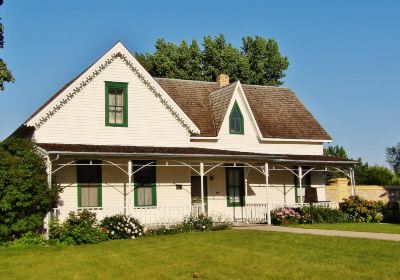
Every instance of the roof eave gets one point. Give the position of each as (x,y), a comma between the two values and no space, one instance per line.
(264,158)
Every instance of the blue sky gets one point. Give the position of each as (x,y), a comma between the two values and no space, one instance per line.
(344,55)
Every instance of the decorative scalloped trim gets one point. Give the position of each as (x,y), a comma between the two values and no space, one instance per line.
(85,81)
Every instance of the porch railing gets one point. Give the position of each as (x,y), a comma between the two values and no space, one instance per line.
(257,212)
(168,215)
(157,215)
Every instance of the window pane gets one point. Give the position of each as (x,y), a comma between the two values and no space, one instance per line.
(89,196)
(111,115)
(118,98)
(111,99)
(148,195)
(145,195)
(119,116)
(141,196)
(235,120)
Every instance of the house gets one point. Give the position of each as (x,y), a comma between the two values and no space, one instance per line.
(121,141)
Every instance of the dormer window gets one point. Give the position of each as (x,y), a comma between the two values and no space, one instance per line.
(236,124)
(116,104)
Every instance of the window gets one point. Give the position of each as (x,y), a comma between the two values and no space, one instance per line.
(234,186)
(116,104)
(89,183)
(144,179)
(236,125)
(305,184)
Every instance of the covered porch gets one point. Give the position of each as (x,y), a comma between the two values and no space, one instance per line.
(160,185)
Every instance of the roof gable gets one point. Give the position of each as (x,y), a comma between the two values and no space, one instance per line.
(71,89)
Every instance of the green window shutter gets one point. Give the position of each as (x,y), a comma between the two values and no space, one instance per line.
(135,186)
(115,106)
(236,121)
(79,196)
(100,195)
(154,194)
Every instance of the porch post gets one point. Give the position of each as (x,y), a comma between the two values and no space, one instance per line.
(266,171)
(246,173)
(300,184)
(202,186)
(49,181)
(129,184)
(352,182)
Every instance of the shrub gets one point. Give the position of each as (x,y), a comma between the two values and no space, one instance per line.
(201,223)
(79,228)
(318,214)
(121,227)
(286,216)
(359,210)
(25,196)
(190,224)
(28,239)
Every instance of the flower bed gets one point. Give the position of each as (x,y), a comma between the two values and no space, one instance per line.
(354,209)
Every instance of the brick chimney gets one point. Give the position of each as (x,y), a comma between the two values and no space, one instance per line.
(222,80)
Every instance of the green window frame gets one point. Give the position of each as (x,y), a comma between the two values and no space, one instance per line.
(234,186)
(306,182)
(116,104)
(89,175)
(145,185)
(236,122)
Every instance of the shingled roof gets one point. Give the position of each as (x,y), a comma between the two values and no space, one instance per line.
(277,110)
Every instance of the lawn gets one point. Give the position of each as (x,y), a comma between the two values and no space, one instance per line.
(232,254)
(369,227)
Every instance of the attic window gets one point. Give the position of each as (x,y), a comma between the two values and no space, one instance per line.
(236,125)
(116,104)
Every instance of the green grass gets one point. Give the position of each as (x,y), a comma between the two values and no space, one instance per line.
(233,254)
(369,227)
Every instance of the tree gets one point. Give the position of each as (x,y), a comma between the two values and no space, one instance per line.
(25,196)
(266,62)
(5,74)
(380,175)
(258,61)
(336,151)
(365,174)
(393,157)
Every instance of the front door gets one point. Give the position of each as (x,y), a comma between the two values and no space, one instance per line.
(195,189)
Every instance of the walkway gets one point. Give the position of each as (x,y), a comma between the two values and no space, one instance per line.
(342,233)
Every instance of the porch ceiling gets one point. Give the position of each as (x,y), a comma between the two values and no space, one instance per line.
(188,152)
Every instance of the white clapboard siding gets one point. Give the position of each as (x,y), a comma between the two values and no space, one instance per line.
(82,119)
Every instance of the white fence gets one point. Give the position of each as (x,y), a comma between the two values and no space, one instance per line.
(146,215)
